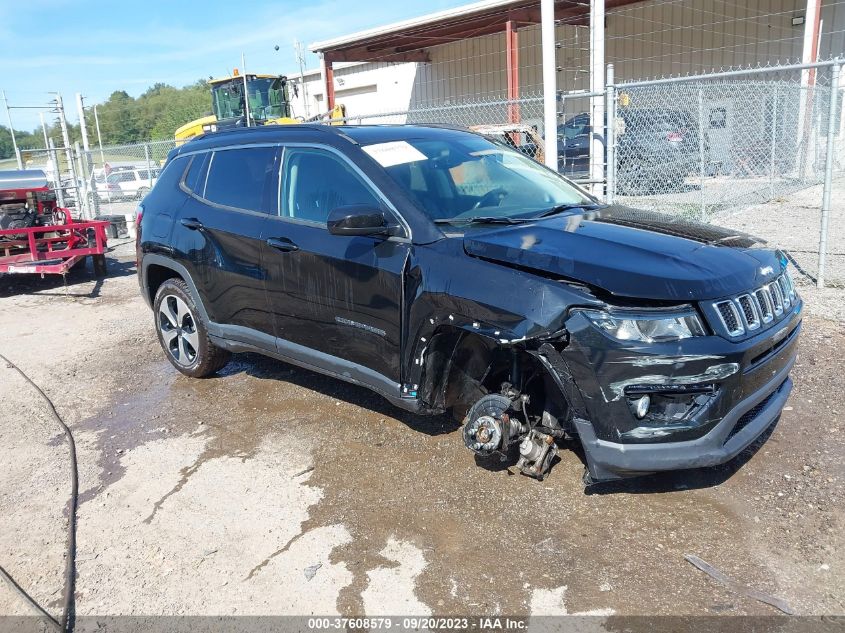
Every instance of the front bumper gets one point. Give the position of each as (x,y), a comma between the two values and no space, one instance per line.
(745,423)
(741,388)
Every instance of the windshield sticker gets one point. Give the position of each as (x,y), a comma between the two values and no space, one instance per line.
(394,153)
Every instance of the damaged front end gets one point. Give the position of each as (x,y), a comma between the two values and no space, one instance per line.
(644,390)
(645,385)
(680,396)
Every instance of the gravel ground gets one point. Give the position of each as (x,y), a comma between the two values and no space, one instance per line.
(273,490)
(791,221)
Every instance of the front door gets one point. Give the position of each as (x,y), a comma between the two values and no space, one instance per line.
(339,295)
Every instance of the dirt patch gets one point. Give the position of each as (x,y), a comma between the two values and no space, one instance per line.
(270,489)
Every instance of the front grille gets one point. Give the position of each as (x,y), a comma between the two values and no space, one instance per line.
(750,311)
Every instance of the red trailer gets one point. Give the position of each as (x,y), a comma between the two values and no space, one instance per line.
(36,236)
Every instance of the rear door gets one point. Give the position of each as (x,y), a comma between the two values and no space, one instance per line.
(220,230)
(340,295)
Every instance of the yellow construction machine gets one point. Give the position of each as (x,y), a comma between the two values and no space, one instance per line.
(247,101)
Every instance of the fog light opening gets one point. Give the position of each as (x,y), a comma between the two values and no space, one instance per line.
(641,406)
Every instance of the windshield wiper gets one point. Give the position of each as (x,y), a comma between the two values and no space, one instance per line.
(483,220)
(560,208)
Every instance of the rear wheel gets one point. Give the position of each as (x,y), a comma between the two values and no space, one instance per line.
(182,334)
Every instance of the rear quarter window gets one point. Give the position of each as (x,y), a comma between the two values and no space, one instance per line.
(195,178)
(172,173)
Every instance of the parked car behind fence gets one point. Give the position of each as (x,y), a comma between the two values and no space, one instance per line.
(134,183)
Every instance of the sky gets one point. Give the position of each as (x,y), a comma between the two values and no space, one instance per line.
(95,47)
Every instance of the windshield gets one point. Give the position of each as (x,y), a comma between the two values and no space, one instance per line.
(267,99)
(468,177)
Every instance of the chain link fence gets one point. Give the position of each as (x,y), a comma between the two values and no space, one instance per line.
(744,150)
(750,154)
(122,175)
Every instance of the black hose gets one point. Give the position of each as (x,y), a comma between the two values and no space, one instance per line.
(66,623)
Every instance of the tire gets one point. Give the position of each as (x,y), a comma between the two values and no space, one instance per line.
(100,266)
(183,335)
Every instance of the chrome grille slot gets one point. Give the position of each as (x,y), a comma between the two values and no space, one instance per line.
(788,291)
(764,303)
(748,309)
(730,317)
(790,286)
(758,308)
(777,298)
(784,290)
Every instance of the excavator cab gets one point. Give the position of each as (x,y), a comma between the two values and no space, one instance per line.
(264,102)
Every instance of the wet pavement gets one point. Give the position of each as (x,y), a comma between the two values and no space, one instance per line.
(271,489)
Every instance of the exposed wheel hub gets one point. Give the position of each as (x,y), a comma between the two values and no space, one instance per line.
(493,426)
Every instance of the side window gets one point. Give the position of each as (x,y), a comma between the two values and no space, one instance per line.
(316,181)
(144,174)
(195,178)
(238,177)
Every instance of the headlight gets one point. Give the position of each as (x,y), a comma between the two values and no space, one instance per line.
(647,328)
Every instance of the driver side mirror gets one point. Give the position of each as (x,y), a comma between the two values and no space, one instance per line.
(358,219)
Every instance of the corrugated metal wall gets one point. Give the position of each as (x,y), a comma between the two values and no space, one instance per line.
(648,39)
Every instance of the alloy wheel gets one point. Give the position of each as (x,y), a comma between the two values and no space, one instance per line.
(178,329)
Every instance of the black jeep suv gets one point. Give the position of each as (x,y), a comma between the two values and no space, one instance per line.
(448,272)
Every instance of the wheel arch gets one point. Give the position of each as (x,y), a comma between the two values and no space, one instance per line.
(156,269)
(459,366)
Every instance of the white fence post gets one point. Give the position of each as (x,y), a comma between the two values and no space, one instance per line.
(702,211)
(828,172)
(547,17)
(610,135)
(597,113)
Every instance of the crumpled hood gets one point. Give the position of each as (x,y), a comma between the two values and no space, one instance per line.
(633,253)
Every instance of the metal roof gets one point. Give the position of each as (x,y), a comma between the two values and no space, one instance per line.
(406,41)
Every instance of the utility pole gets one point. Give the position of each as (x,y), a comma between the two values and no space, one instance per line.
(99,138)
(300,57)
(82,127)
(50,158)
(54,156)
(90,189)
(60,108)
(246,91)
(44,130)
(12,132)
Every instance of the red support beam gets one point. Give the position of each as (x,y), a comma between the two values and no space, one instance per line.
(328,77)
(512,49)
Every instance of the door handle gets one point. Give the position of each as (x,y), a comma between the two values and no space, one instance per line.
(282,244)
(192,223)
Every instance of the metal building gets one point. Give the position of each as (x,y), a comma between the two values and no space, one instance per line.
(492,49)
